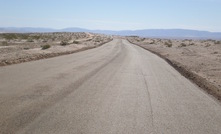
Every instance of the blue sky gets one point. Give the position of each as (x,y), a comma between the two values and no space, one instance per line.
(112,14)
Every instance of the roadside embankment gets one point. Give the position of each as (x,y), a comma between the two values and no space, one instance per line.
(197,60)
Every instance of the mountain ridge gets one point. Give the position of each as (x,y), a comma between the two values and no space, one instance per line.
(156,33)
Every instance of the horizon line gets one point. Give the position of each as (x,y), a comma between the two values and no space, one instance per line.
(114,30)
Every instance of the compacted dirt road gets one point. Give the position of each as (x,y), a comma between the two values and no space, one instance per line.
(116,88)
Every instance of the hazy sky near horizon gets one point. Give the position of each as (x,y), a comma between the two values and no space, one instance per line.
(112,14)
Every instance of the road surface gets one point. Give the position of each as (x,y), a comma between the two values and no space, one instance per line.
(118,88)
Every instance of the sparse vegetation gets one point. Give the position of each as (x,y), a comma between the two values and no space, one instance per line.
(9,36)
(217,42)
(19,47)
(44,41)
(64,43)
(182,45)
(26,48)
(168,44)
(142,39)
(45,47)
(12,36)
(208,45)
(169,41)
(152,42)
(138,40)
(4,43)
(97,40)
(30,40)
(36,37)
(89,40)
(191,44)
(76,42)
(215,53)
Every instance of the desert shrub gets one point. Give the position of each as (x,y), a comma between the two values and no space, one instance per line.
(4,43)
(217,42)
(168,44)
(142,39)
(215,53)
(36,37)
(97,40)
(182,45)
(26,48)
(210,40)
(23,36)
(44,41)
(152,42)
(208,45)
(76,42)
(10,36)
(53,38)
(89,40)
(64,43)
(169,41)
(45,47)
(138,40)
(30,40)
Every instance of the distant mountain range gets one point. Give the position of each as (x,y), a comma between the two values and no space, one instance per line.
(157,33)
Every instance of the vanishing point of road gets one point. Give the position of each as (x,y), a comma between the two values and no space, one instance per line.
(118,88)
